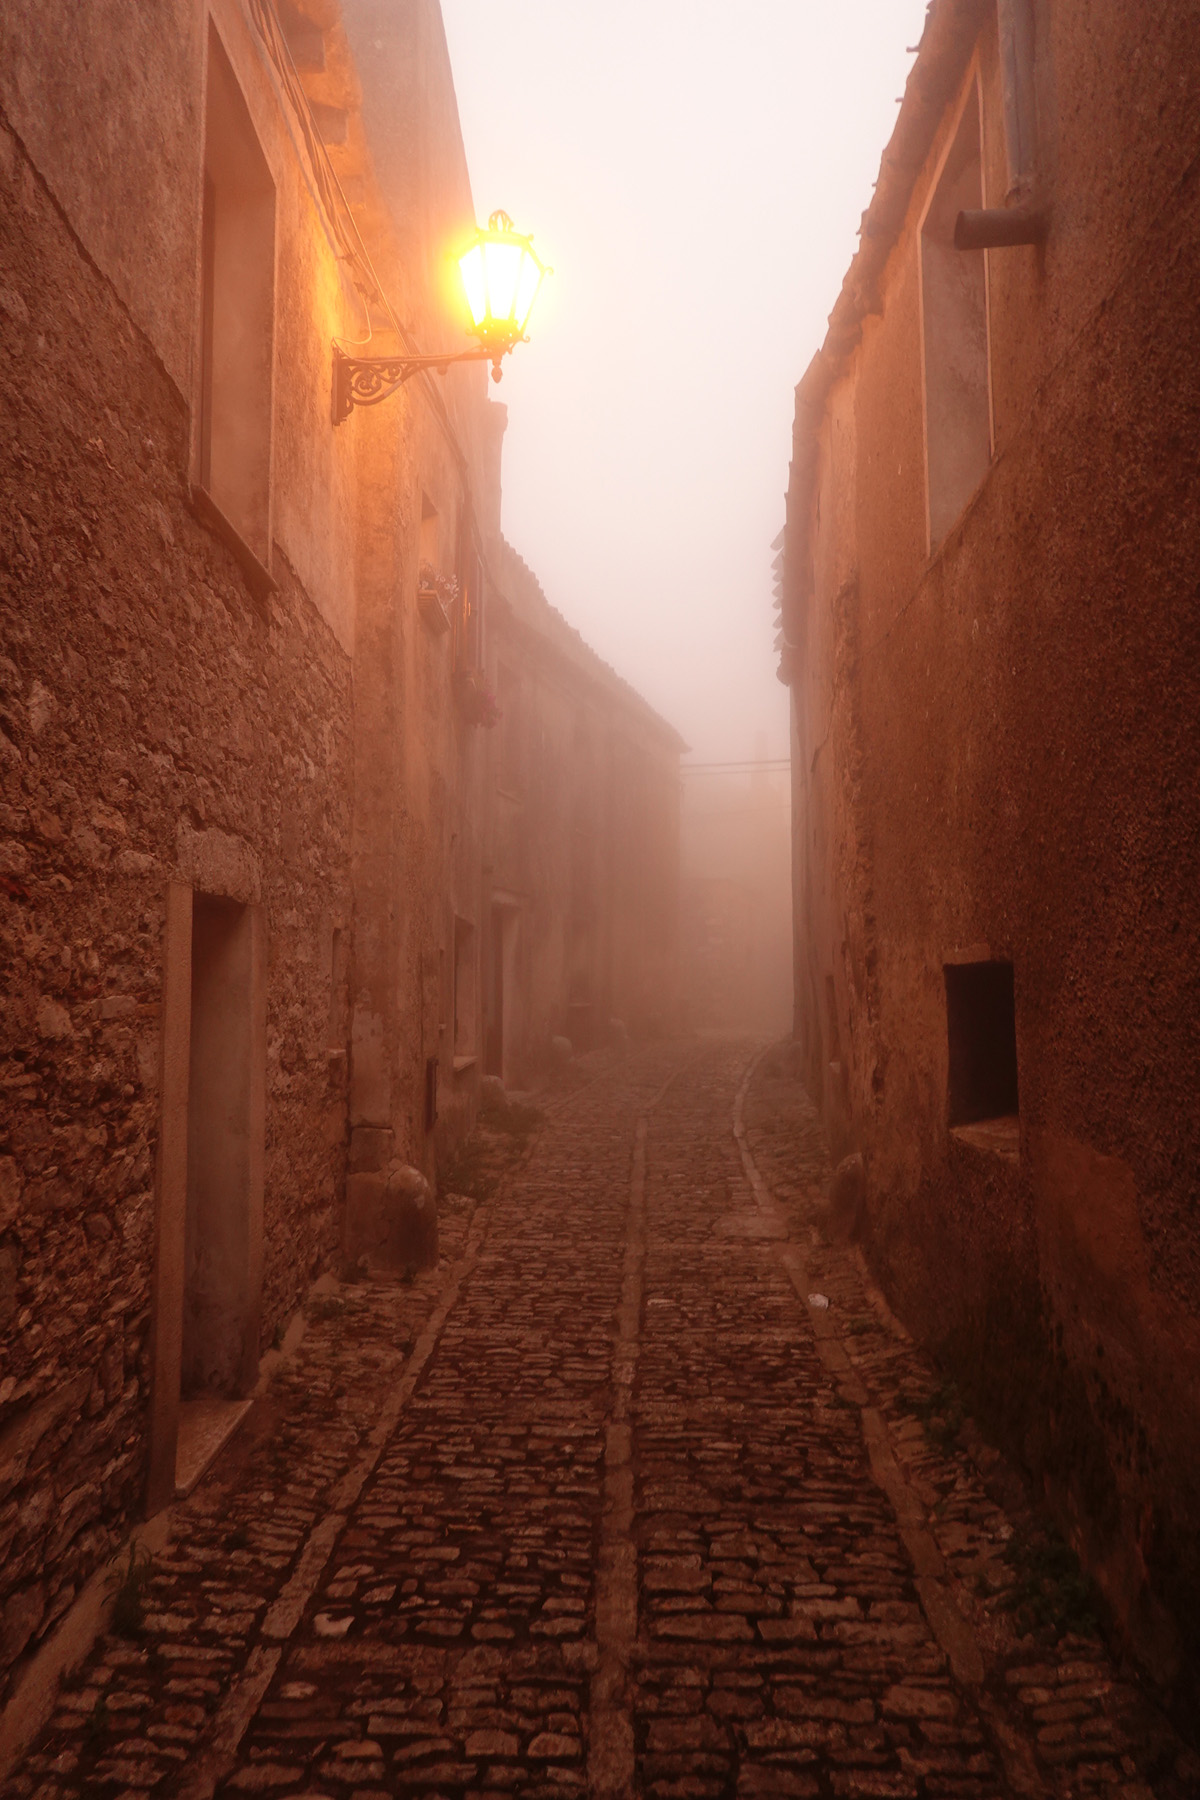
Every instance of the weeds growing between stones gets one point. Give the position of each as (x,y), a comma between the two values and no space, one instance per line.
(128,1584)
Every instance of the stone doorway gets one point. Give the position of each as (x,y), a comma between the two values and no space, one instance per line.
(208,1254)
(220,1313)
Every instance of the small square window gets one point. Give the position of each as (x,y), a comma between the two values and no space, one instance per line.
(981,1025)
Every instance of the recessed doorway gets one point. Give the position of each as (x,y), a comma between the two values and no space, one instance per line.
(220,1313)
(208,1249)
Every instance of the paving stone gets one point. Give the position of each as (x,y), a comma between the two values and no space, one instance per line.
(455,1641)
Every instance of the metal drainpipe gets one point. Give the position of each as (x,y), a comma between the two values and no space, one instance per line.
(1020,112)
(1022,220)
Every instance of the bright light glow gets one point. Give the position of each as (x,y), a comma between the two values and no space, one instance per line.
(503,264)
(501,276)
(638,430)
(474,283)
(527,289)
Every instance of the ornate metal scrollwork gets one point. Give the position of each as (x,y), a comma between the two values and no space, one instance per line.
(366,380)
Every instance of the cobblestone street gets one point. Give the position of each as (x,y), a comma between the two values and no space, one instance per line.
(642,1491)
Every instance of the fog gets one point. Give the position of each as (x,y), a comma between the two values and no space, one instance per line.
(696,175)
(735,899)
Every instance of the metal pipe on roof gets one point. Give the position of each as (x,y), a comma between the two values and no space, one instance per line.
(1022,220)
(1015,20)
(951,32)
(997,227)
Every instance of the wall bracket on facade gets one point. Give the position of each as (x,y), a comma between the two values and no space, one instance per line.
(997,227)
(366,380)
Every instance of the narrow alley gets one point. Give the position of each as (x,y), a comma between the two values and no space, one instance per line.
(641,1491)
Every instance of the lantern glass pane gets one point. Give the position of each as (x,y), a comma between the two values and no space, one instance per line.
(503,275)
(527,288)
(474,282)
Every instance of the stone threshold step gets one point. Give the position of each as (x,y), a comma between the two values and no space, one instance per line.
(205,1427)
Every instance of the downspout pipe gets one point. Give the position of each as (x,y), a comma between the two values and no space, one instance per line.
(1015,20)
(1022,219)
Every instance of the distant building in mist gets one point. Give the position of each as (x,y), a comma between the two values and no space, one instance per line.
(736,926)
(257,877)
(992,639)
(581,861)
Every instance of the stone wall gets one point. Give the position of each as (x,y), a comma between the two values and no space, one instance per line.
(582,854)
(995,759)
(157,723)
(283,730)
(428,489)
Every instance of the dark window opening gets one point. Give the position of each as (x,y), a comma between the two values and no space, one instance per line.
(981,1023)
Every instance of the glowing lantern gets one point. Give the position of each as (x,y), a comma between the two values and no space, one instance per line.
(501,276)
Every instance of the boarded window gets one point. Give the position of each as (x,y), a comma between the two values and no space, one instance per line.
(238,311)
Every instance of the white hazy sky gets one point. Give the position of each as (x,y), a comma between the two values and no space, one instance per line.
(696,173)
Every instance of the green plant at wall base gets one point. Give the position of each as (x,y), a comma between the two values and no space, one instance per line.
(1050,1591)
(128,1584)
(470,1170)
(326,1306)
(96,1728)
(512,1117)
(476,1166)
(941,1413)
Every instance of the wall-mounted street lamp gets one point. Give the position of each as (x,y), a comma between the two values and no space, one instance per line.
(501,275)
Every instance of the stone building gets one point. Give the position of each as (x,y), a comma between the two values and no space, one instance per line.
(993,645)
(735,913)
(581,865)
(243,778)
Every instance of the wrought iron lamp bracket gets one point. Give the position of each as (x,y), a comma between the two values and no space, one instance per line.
(366,380)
